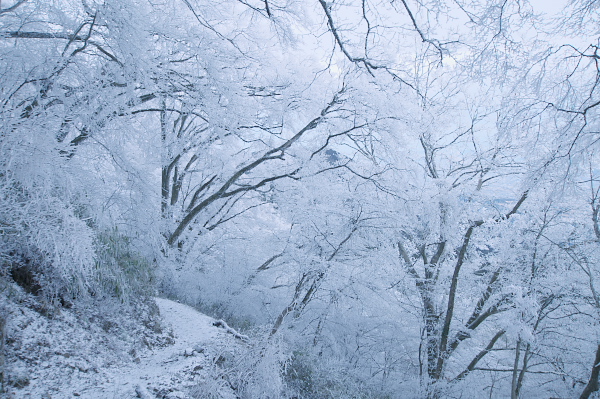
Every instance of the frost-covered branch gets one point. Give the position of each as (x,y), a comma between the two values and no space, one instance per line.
(226,190)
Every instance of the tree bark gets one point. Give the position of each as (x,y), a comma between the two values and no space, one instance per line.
(514,394)
(3,316)
(592,385)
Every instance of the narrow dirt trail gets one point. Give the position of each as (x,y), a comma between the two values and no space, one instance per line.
(166,372)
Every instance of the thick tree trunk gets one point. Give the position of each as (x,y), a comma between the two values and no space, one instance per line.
(592,385)
(433,342)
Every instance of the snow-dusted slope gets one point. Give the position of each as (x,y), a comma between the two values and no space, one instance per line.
(170,371)
(108,372)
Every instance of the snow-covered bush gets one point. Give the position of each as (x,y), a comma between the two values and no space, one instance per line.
(258,372)
(46,241)
(121,271)
(310,375)
(51,248)
(254,370)
(213,386)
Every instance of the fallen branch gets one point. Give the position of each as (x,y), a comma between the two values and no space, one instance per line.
(223,325)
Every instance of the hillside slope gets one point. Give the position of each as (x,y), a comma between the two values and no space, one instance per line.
(87,354)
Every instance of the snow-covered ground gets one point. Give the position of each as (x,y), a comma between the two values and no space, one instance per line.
(173,370)
(64,357)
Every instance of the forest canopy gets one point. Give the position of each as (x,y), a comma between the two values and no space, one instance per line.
(404,192)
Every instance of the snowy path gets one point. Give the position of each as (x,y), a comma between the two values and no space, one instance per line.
(160,372)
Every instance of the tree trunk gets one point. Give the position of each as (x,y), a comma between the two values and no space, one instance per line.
(514,393)
(433,343)
(592,385)
(3,317)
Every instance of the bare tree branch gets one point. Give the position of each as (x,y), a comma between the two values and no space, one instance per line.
(275,153)
(41,35)
(420,32)
(357,60)
(13,7)
(454,283)
(480,355)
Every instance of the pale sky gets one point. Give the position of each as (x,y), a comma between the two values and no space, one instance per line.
(548,6)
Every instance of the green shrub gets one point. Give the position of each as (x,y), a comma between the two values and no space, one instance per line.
(120,270)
